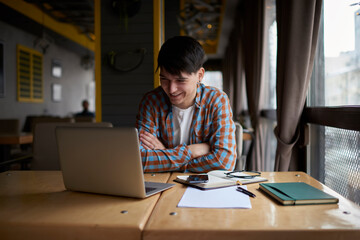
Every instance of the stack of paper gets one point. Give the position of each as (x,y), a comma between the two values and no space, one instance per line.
(216,198)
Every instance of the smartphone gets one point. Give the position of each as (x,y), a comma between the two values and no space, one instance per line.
(200,178)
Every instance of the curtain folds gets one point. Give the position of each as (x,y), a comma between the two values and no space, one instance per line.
(243,61)
(253,36)
(238,74)
(298,26)
(232,70)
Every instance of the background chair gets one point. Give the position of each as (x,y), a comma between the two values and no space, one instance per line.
(46,156)
(31,121)
(12,155)
(240,160)
(84,119)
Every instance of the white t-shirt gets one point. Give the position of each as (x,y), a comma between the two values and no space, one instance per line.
(182,121)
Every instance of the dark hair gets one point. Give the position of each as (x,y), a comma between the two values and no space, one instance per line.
(181,54)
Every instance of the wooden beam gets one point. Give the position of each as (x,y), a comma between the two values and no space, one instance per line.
(65,29)
(97,18)
(346,117)
(158,29)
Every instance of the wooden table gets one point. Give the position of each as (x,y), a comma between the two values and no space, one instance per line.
(266,220)
(35,205)
(23,138)
(6,140)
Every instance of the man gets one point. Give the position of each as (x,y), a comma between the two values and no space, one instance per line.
(85,112)
(184,125)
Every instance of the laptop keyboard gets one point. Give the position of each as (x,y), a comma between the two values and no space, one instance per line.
(149,189)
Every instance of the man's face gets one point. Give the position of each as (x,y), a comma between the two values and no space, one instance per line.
(85,104)
(181,89)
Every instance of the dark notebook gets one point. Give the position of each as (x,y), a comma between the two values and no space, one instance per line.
(297,193)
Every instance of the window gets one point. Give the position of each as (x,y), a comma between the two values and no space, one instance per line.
(269,84)
(56,69)
(214,79)
(334,152)
(29,77)
(270,53)
(341,53)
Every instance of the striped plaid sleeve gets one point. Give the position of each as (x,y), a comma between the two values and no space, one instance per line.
(222,139)
(148,119)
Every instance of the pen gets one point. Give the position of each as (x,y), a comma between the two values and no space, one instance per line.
(240,189)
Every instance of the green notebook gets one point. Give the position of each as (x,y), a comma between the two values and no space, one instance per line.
(297,193)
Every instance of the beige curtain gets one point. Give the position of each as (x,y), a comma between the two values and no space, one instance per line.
(232,70)
(238,73)
(227,76)
(298,26)
(253,35)
(230,75)
(243,61)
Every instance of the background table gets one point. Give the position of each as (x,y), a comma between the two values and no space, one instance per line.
(35,205)
(6,142)
(266,220)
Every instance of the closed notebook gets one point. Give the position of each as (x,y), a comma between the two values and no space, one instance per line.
(297,193)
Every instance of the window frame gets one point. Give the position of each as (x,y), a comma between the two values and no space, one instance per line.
(31,68)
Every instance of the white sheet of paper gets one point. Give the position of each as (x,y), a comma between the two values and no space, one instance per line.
(227,197)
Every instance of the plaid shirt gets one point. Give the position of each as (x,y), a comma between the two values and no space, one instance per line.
(212,123)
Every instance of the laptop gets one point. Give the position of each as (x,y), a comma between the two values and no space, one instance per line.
(104,161)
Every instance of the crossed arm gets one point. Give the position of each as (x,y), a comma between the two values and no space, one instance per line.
(150,142)
(213,142)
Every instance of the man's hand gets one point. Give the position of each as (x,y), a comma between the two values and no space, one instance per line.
(150,142)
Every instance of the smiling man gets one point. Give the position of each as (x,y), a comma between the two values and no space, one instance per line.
(183,124)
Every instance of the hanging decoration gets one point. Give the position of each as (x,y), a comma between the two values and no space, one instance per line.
(126,61)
